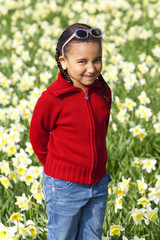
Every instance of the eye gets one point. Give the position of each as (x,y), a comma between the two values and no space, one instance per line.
(82,61)
(98,60)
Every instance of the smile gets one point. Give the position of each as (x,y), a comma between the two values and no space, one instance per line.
(88,76)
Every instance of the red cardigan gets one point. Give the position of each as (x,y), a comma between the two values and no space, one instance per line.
(68,131)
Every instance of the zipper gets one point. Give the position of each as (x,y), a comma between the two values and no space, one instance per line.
(92,136)
(86,96)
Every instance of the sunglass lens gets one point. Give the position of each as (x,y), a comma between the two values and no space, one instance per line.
(96,32)
(81,33)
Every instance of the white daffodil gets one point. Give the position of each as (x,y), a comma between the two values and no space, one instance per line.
(129,104)
(16,217)
(118,203)
(7,233)
(143,201)
(143,112)
(5,181)
(142,186)
(23,202)
(157,127)
(143,98)
(137,215)
(115,230)
(149,164)
(154,194)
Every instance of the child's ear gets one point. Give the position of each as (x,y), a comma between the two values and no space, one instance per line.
(63,62)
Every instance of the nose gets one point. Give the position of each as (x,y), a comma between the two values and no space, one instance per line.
(91,68)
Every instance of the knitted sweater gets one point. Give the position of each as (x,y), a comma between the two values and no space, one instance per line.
(68,131)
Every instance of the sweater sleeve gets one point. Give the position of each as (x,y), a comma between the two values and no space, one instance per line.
(42,122)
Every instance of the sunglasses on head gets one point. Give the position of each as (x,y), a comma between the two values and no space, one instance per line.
(83,34)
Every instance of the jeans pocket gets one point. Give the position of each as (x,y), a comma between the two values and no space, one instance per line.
(62,184)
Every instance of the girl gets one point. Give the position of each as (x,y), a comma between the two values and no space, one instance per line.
(68,134)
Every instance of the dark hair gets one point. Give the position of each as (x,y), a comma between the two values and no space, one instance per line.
(63,38)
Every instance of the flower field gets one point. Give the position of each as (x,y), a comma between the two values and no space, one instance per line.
(29,30)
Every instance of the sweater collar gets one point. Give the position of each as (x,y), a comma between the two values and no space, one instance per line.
(61,86)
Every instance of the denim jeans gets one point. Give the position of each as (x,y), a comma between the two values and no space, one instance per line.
(75,211)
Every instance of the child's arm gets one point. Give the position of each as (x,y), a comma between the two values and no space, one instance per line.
(42,122)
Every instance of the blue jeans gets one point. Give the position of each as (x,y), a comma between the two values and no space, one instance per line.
(75,211)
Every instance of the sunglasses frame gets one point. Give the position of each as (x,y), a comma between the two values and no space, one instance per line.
(87,31)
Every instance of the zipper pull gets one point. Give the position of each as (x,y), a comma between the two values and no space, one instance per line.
(86,96)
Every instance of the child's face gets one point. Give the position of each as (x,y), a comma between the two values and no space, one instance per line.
(83,63)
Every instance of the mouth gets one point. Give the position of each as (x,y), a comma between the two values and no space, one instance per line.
(90,76)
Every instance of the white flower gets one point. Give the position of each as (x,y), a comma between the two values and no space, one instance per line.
(151,215)
(129,81)
(25,56)
(29,148)
(4,167)
(156,51)
(158,180)
(149,60)
(143,98)
(127,67)
(16,217)
(136,162)
(137,238)
(143,201)
(23,202)
(39,197)
(138,131)
(118,203)
(21,170)
(115,230)
(31,229)
(5,182)
(45,76)
(130,104)
(27,177)
(123,116)
(123,187)
(22,230)
(154,194)
(143,68)
(157,127)
(7,233)
(142,186)
(51,62)
(143,112)
(138,215)
(149,164)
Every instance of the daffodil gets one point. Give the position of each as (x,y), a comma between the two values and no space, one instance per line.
(7,233)
(137,215)
(130,104)
(149,164)
(5,181)
(23,202)
(137,238)
(143,98)
(16,217)
(32,229)
(157,127)
(4,167)
(118,203)
(138,131)
(142,186)
(115,230)
(143,201)
(143,112)
(154,194)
